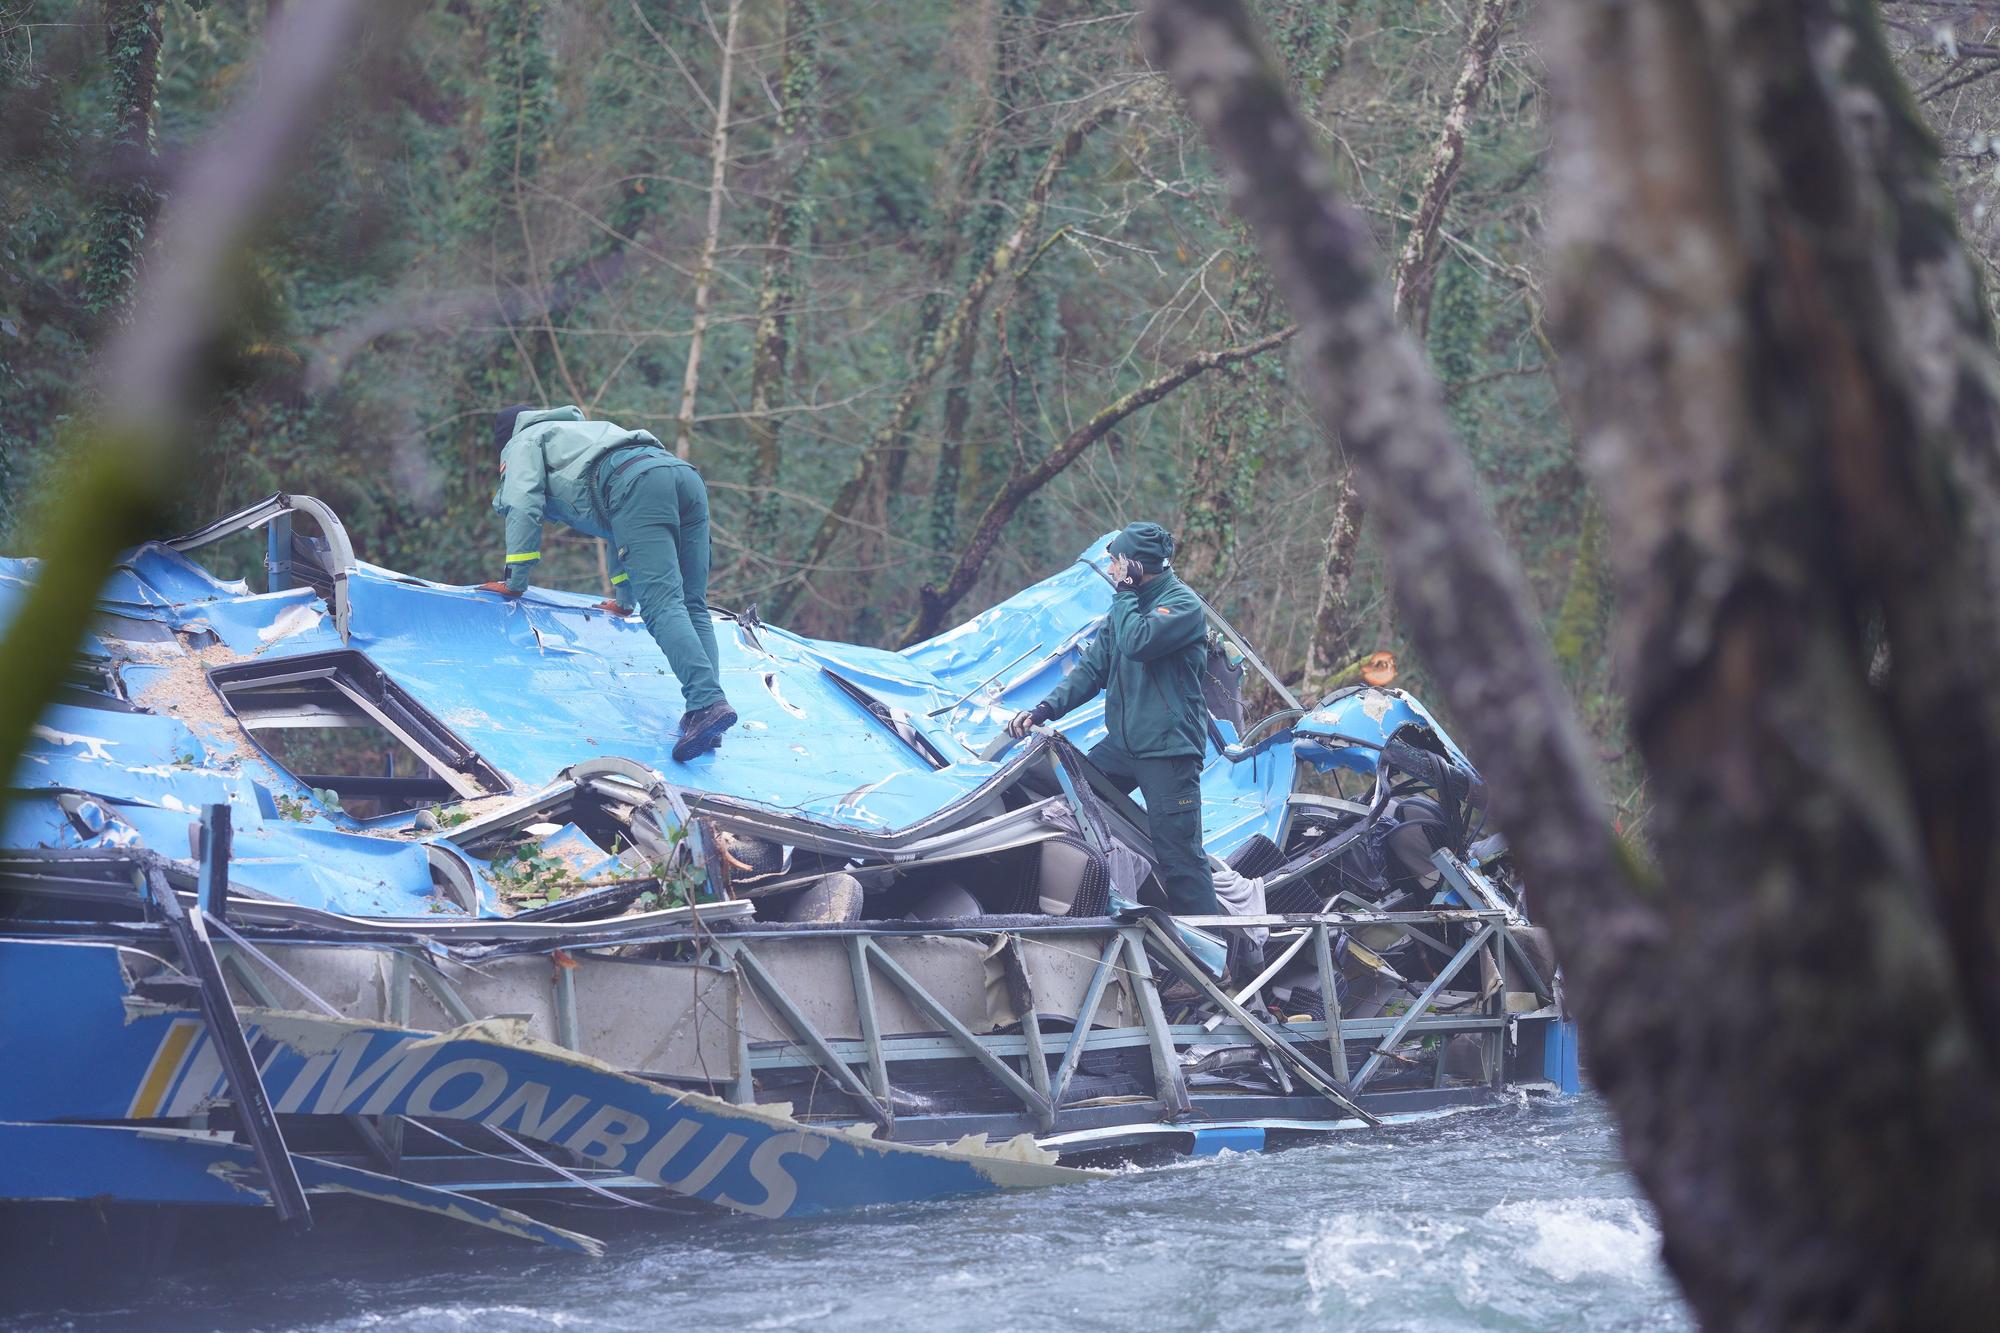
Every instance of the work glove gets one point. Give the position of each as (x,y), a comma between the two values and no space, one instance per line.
(498,587)
(613,605)
(1018,725)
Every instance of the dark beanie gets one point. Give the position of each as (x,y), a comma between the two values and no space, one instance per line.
(1148,543)
(503,425)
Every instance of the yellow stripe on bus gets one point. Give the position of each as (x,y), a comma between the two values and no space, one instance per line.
(167,1061)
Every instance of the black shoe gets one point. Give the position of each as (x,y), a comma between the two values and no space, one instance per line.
(702,730)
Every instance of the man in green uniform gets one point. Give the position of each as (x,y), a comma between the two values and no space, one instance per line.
(1147,658)
(652,509)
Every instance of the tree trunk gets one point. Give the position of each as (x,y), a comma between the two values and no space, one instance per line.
(718,170)
(1794,1028)
(1796,435)
(132,32)
(1229,449)
(994,172)
(1205,535)
(1019,37)
(1333,644)
(790,228)
(951,458)
(1416,269)
(1580,620)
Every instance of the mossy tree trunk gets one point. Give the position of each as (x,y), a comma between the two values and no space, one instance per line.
(132,35)
(1018,38)
(1333,643)
(1786,385)
(1786,390)
(788,233)
(1585,610)
(951,459)
(517,112)
(1240,408)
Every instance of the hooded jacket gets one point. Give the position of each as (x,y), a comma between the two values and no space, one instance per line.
(547,464)
(1147,658)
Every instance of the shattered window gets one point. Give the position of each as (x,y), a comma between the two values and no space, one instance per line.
(336,723)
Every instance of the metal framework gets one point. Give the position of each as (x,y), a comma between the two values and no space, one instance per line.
(1125,952)
(290,561)
(1131,953)
(1328,1069)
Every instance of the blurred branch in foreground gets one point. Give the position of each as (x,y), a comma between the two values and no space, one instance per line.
(125,452)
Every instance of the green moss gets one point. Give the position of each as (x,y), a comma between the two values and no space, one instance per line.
(126,208)
(1580,622)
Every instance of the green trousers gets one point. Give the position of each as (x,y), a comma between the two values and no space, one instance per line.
(658,511)
(1172,788)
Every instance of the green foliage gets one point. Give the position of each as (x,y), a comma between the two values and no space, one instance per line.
(677,888)
(523,873)
(1579,630)
(519,111)
(297,809)
(1310,35)
(527,876)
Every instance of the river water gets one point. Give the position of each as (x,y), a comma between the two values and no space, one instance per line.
(1517,1218)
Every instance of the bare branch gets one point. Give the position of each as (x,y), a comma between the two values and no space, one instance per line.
(938,354)
(937,602)
(1416,270)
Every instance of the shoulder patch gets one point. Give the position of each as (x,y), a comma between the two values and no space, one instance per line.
(1163,610)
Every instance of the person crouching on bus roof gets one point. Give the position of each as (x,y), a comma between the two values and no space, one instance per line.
(652,510)
(1147,658)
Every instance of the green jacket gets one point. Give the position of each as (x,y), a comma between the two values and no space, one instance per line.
(546,478)
(1147,658)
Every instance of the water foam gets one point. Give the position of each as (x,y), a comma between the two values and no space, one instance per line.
(793,1318)
(1573,1238)
(1360,1256)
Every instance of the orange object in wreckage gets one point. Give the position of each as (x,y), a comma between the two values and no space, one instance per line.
(1379,669)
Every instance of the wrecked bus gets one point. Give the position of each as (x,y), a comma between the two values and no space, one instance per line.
(372,886)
